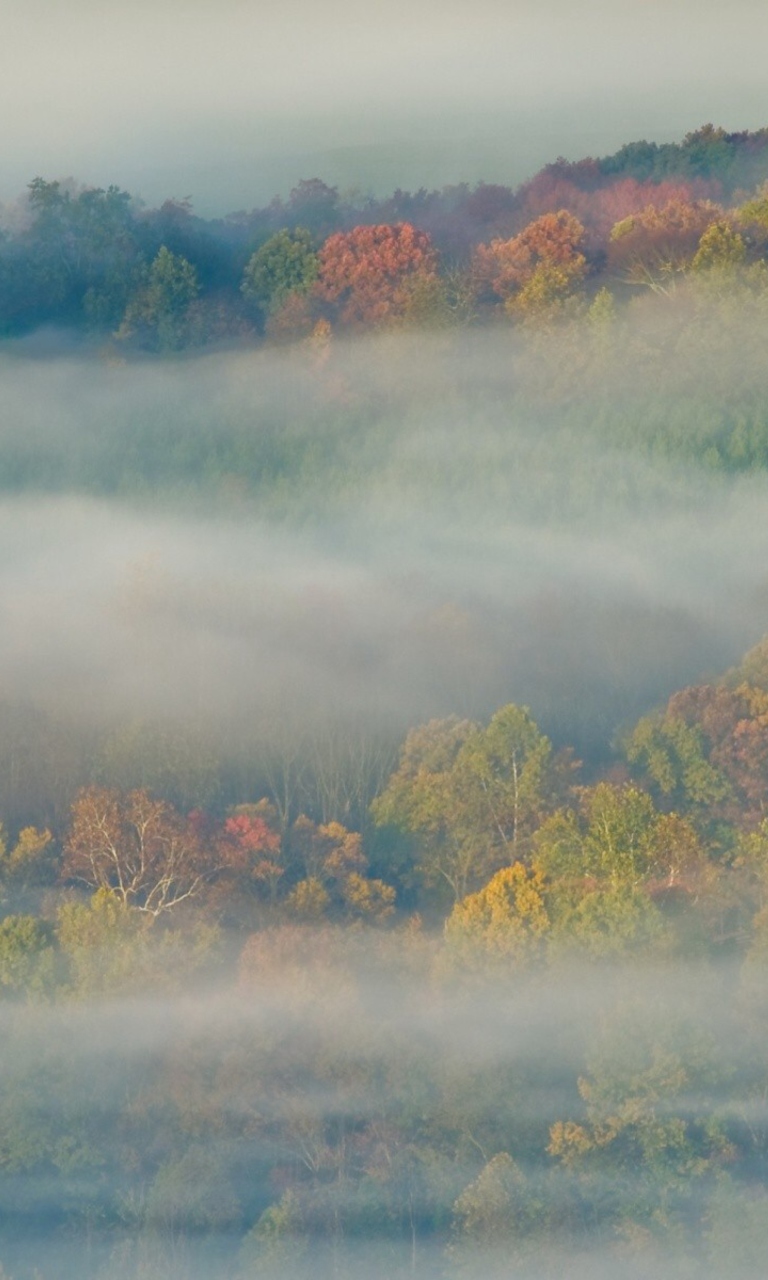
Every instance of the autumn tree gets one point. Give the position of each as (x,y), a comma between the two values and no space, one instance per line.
(368,274)
(507,920)
(537,269)
(654,246)
(470,796)
(707,753)
(247,859)
(334,875)
(136,848)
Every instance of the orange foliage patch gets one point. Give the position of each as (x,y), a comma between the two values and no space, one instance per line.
(366,272)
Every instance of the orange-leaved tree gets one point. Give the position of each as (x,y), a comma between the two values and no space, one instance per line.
(535,269)
(654,245)
(368,274)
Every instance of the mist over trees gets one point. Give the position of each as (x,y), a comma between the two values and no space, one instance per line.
(384,728)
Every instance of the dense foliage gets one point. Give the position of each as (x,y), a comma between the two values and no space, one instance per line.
(164,279)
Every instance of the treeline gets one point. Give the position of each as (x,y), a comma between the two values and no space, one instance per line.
(165,279)
(366,1088)
(479,824)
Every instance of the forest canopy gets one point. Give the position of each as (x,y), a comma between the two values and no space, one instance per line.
(164,279)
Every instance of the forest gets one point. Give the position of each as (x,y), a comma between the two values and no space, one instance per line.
(97,262)
(384,729)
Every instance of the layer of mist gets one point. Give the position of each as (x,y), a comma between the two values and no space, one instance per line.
(165,1127)
(398,531)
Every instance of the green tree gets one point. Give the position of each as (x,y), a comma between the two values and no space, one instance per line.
(671,754)
(720,249)
(278,1244)
(29,866)
(755,211)
(611,838)
(285,264)
(27,957)
(471,796)
(604,860)
(107,947)
(490,1221)
(160,313)
(708,753)
(83,252)
(191,1194)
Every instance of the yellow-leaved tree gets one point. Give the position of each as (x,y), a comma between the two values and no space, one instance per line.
(507,920)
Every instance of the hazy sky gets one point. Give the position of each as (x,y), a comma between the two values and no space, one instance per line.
(231,101)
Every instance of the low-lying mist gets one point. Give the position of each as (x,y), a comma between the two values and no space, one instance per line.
(381,530)
(404,1118)
(220,571)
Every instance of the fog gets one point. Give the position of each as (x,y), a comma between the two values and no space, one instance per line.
(339,540)
(234,104)
(396,534)
(157,1120)
(251,571)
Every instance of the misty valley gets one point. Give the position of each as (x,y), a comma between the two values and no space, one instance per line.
(384,729)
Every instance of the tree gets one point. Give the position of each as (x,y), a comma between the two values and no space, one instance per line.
(108,947)
(708,753)
(367,274)
(83,251)
(611,838)
(285,264)
(27,961)
(490,1220)
(159,314)
(312,203)
(470,797)
(720,249)
(278,1244)
(608,862)
(640,1147)
(140,850)
(32,863)
(252,848)
(536,269)
(652,247)
(670,753)
(507,920)
(334,870)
